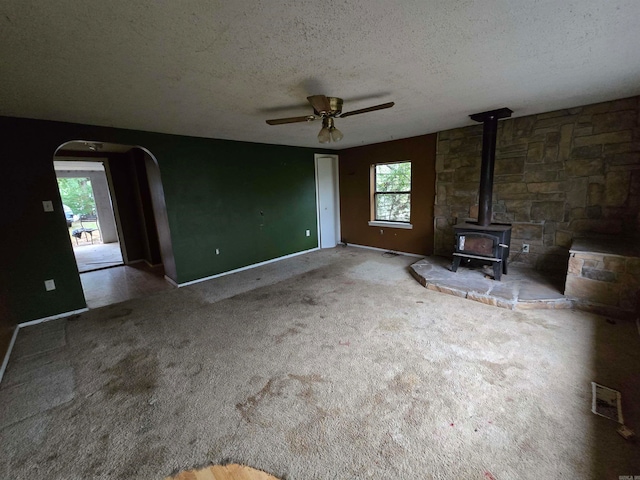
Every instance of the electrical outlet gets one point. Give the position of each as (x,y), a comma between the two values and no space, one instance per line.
(525,248)
(47,205)
(381,232)
(308,233)
(49,285)
(217,251)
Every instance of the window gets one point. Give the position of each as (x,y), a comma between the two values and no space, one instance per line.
(391,192)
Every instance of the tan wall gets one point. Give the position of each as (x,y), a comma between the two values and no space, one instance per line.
(558,175)
(355,208)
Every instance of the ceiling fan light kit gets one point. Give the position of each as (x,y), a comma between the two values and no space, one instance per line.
(328,109)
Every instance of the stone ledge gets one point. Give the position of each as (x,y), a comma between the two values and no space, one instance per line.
(522,288)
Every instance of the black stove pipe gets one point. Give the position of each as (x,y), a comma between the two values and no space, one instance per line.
(489,131)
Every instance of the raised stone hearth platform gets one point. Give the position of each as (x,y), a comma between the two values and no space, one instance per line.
(522,288)
(604,275)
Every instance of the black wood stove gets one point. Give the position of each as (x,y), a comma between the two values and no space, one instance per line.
(483,241)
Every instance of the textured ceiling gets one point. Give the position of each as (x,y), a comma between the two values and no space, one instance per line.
(221,68)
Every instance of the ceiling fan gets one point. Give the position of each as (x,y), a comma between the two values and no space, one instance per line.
(328,109)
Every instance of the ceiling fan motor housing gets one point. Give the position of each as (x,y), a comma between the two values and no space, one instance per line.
(335,107)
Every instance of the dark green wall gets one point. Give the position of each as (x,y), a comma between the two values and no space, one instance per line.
(251,201)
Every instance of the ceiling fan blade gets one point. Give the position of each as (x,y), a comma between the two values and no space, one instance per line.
(368,109)
(320,103)
(280,121)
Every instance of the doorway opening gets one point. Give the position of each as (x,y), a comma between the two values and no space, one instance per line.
(86,200)
(117,221)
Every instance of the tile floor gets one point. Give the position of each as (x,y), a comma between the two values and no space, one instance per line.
(100,255)
(117,284)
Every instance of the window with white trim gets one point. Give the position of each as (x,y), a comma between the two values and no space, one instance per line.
(391,187)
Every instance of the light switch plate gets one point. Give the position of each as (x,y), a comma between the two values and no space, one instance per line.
(49,285)
(47,205)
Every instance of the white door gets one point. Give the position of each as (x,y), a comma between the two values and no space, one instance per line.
(327,195)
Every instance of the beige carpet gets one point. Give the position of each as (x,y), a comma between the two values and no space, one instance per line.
(337,365)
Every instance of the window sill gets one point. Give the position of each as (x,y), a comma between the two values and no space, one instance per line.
(377,223)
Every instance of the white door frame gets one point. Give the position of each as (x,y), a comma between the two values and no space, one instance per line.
(336,190)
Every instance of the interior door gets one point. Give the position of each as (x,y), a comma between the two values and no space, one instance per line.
(328,202)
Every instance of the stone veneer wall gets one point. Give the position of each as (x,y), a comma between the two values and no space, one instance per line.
(558,176)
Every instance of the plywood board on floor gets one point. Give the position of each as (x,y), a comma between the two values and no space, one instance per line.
(224,472)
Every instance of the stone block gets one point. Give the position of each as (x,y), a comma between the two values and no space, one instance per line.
(523,126)
(606,225)
(566,137)
(576,213)
(465,188)
(555,121)
(596,108)
(444,135)
(584,167)
(520,149)
(462,200)
(541,211)
(542,176)
(621,148)
(552,138)
(592,291)
(453,162)
(630,158)
(594,212)
(615,264)
(443,146)
(602,138)
(446,177)
(510,188)
(616,188)
(599,275)
(467,174)
(441,211)
(550,154)
(550,227)
(545,187)
(527,231)
(554,114)
(583,131)
(575,266)
(535,152)
(509,165)
(440,163)
(520,208)
(630,103)
(468,144)
(518,178)
(577,192)
(588,151)
(633,265)
(549,239)
(595,194)
(614,121)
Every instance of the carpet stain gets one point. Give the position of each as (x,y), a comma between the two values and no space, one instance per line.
(309,300)
(291,332)
(120,313)
(248,408)
(135,374)
(393,324)
(403,382)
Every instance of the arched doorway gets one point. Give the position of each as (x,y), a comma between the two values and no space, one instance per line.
(118,249)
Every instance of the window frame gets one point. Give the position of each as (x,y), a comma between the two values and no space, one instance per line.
(374,196)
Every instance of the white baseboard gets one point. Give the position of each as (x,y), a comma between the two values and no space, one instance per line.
(52,317)
(5,362)
(248,267)
(171,281)
(385,250)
